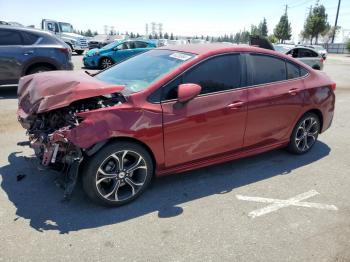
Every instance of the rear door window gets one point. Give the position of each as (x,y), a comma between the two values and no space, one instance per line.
(293,71)
(29,39)
(267,69)
(139,44)
(10,37)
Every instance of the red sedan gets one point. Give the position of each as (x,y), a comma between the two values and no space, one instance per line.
(170,110)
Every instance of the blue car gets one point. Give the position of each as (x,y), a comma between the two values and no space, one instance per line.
(115,52)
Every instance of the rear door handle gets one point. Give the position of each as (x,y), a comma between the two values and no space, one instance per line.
(236,105)
(293,91)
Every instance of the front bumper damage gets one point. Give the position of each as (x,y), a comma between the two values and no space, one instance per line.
(57,152)
(50,106)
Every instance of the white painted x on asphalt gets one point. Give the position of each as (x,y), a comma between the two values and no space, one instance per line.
(277,204)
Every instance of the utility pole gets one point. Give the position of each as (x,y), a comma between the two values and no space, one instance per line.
(336,22)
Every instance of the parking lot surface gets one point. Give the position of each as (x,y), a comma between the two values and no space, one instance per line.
(270,207)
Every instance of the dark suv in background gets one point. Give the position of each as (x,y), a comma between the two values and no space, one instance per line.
(25,51)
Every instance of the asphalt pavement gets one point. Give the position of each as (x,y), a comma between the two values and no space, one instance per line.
(270,207)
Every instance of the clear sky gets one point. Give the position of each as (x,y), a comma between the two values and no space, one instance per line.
(182,17)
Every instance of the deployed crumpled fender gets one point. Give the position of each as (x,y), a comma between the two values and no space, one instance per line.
(46,91)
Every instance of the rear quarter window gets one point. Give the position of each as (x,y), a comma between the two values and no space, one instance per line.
(29,39)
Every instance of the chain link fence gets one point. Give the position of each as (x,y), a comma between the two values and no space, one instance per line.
(336,48)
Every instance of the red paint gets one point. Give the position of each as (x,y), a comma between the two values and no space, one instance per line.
(187,92)
(208,129)
(46,91)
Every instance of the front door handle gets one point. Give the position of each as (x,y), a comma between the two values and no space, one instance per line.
(29,52)
(293,91)
(236,105)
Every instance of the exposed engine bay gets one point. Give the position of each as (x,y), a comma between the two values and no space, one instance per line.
(47,137)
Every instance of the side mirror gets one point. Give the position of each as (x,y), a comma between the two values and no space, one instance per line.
(187,92)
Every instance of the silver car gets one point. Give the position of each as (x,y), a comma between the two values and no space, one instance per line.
(308,56)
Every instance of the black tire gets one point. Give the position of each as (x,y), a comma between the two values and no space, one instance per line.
(79,52)
(316,67)
(105,62)
(305,134)
(39,69)
(102,173)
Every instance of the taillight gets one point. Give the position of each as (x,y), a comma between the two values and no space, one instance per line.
(333,86)
(64,50)
(321,59)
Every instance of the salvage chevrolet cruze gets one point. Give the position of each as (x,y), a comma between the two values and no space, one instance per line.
(170,110)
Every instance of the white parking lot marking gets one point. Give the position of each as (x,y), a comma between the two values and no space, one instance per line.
(277,204)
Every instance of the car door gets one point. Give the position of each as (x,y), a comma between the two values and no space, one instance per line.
(140,47)
(123,51)
(274,102)
(213,122)
(11,56)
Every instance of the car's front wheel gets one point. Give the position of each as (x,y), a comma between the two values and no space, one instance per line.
(117,174)
(106,62)
(304,134)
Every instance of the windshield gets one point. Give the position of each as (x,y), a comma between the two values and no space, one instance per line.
(281,49)
(66,27)
(111,45)
(138,72)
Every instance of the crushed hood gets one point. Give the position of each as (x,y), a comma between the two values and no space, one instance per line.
(46,91)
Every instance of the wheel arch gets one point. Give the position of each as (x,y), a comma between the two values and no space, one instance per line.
(316,112)
(37,64)
(97,147)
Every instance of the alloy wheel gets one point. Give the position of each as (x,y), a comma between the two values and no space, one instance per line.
(121,175)
(307,133)
(106,62)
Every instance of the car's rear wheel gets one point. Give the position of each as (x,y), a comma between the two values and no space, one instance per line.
(39,69)
(117,174)
(106,62)
(79,52)
(304,134)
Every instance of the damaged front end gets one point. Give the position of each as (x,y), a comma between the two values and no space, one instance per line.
(50,114)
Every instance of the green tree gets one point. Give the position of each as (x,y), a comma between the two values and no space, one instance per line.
(244,37)
(166,36)
(150,36)
(88,33)
(236,38)
(254,30)
(160,35)
(348,45)
(207,38)
(95,33)
(316,23)
(272,38)
(283,30)
(171,36)
(263,28)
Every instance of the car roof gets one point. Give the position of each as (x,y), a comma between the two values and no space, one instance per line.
(217,48)
(25,29)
